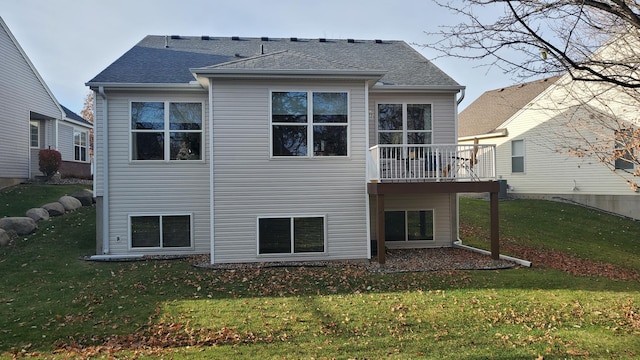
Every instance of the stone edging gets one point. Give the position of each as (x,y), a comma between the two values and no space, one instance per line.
(28,224)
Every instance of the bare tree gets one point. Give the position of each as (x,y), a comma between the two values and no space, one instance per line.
(88,114)
(595,43)
(87,108)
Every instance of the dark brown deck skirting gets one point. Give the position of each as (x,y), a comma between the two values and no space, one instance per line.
(381,189)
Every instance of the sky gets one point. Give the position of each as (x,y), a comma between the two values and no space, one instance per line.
(71,41)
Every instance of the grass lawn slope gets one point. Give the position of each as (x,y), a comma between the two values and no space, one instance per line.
(54,305)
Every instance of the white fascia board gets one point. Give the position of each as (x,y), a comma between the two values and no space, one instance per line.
(496,134)
(271,73)
(145,86)
(415,88)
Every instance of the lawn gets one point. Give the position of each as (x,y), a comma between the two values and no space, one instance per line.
(55,305)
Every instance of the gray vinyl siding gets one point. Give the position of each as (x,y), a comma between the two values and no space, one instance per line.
(249,184)
(160,188)
(443,207)
(65,142)
(21,91)
(443,110)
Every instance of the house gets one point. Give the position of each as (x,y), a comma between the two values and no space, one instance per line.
(32,119)
(534,127)
(277,149)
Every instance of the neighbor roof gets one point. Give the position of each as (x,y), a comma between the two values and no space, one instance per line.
(494,107)
(169,59)
(73,116)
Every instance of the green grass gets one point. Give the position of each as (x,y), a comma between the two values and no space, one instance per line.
(581,232)
(16,200)
(50,299)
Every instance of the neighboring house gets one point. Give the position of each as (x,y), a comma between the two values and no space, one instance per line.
(261,149)
(32,119)
(533,126)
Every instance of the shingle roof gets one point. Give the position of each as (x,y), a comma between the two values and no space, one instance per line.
(494,107)
(167,59)
(73,116)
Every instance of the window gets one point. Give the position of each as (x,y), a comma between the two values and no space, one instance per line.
(408,225)
(623,152)
(34,134)
(291,235)
(160,231)
(315,127)
(517,156)
(404,124)
(166,131)
(79,145)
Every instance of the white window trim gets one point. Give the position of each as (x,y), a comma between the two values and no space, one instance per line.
(406,226)
(86,146)
(292,217)
(160,215)
(166,131)
(524,160)
(309,124)
(405,131)
(37,125)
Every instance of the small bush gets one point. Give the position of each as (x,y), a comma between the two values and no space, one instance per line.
(49,162)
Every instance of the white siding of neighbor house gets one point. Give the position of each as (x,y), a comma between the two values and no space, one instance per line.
(442,106)
(151,188)
(443,206)
(21,91)
(548,171)
(249,184)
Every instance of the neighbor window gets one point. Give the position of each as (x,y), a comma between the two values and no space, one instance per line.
(517,156)
(291,235)
(166,131)
(623,151)
(34,134)
(79,145)
(305,123)
(404,124)
(408,225)
(160,231)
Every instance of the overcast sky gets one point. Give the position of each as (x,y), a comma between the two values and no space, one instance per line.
(71,41)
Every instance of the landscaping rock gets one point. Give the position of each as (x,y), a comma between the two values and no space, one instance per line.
(38,214)
(85,196)
(21,225)
(4,238)
(70,203)
(54,208)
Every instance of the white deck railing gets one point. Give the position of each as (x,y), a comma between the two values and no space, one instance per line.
(415,163)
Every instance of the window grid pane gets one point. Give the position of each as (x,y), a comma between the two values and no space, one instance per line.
(176,231)
(145,231)
(390,117)
(394,226)
(147,115)
(289,107)
(274,235)
(308,234)
(420,225)
(185,116)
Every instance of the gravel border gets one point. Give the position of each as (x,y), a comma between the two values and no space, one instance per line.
(401,260)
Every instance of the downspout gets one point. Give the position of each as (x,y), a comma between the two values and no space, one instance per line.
(462,91)
(458,242)
(105,173)
(367,165)
(211,182)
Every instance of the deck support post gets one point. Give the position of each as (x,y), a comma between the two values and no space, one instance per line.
(380,227)
(495,227)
